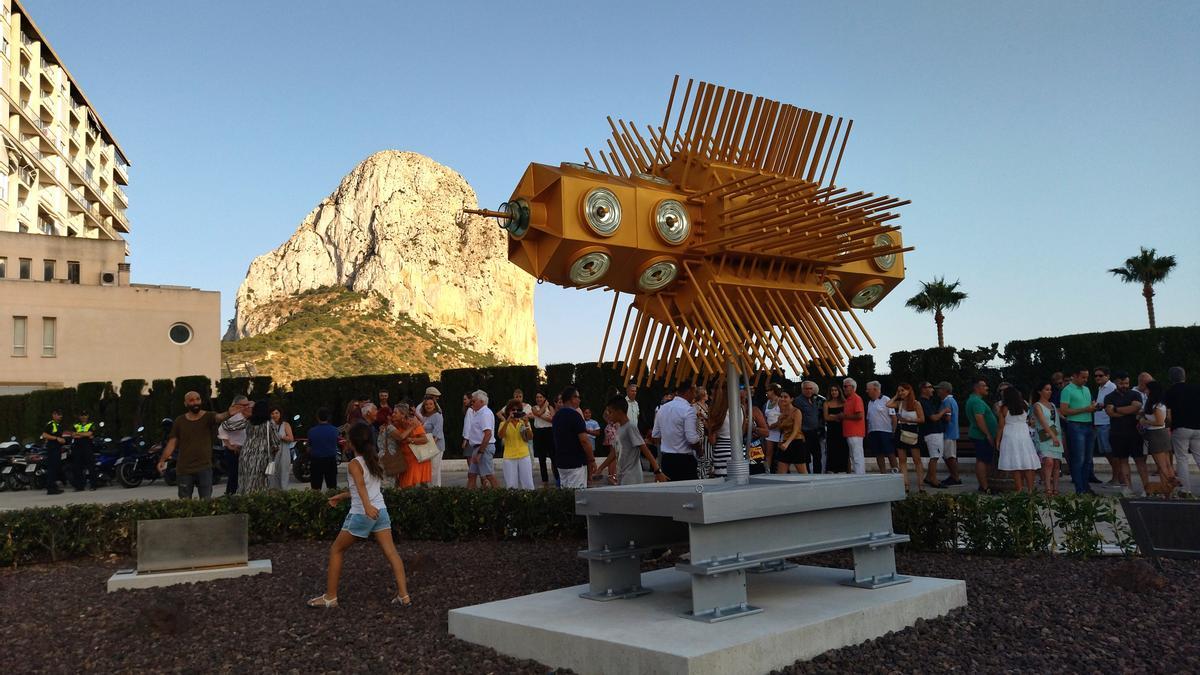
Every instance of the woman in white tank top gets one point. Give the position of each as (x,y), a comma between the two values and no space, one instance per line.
(368,516)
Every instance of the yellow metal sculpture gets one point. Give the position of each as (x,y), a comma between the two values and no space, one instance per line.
(725,224)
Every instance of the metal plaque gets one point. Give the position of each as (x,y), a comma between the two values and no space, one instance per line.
(188,543)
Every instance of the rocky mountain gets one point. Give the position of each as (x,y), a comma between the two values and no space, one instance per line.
(393,228)
(333,332)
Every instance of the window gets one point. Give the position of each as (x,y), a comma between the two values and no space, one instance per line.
(49,337)
(26,268)
(47,270)
(73,271)
(19,323)
(180,333)
(3,267)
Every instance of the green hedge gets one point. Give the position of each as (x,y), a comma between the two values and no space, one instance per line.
(1150,350)
(1015,524)
(445,514)
(1007,525)
(129,405)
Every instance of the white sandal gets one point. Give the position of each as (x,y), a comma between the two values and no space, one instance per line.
(322,602)
(402,600)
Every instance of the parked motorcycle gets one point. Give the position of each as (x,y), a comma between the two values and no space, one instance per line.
(8,450)
(141,463)
(301,464)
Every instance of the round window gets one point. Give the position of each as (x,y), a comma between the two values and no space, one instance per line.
(181,333)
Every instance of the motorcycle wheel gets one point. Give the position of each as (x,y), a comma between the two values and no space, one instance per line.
(39,482)
(127,475)
(13,482)
(169,477)
(302,471)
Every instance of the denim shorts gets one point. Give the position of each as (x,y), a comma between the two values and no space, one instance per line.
(359,525)
(485,466)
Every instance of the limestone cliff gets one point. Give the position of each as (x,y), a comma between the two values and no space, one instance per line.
(393,226)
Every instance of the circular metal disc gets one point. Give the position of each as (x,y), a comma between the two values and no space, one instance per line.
(602,211)
(658,276)
(590,268)
(672,222)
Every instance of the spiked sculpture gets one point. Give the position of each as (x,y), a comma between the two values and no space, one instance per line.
(726,225)
(742,256)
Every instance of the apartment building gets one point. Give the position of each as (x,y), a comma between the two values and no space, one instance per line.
(68,311)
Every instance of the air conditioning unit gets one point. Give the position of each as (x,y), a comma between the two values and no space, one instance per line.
(108,279)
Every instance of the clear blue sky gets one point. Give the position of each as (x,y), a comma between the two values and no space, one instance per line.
(1040,143)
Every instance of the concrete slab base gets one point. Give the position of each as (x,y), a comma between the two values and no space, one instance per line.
(131,579)
(807,611)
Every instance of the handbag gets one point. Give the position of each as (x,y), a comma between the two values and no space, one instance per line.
(425,450)
(393,464)
(908,437)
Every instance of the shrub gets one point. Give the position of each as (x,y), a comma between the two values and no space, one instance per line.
(130,405)
(445,514)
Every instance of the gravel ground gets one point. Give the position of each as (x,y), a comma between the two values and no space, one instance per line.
(1035,615)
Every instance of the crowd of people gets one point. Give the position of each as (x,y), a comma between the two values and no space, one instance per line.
(914,432)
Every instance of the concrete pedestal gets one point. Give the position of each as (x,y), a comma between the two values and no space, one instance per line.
(809,610)
(132,579)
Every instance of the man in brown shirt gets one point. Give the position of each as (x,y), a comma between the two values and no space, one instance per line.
(193,433)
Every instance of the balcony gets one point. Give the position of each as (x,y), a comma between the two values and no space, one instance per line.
(26,40)
(120,196)
(25,74)
(120,219)
(122,173)
(77,193)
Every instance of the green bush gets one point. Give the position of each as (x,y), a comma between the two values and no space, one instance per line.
(157,406)
(12,417)
(1153,351)
(130,405)
(445,514)
(230,387)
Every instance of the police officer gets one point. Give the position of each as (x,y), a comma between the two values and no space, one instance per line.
(54,436)
(82,460)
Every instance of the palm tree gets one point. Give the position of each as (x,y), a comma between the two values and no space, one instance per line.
(937,296)
(1145,268)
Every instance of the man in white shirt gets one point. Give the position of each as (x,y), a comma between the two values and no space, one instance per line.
(1103,424)
(881,426)
(678,433)
(479,436)
(631,401)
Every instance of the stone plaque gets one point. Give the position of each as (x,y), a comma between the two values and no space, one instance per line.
(188,543)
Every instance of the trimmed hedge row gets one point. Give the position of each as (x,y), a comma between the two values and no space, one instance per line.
(1150,350)
(1008,525)
(1028,361)
(442,514)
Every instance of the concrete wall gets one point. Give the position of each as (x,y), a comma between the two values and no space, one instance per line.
(108,333)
